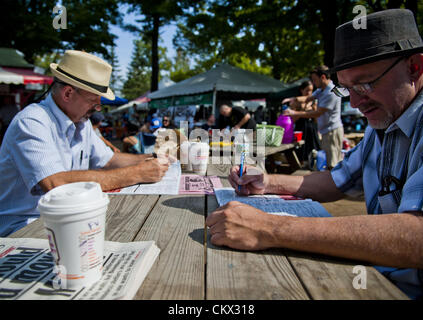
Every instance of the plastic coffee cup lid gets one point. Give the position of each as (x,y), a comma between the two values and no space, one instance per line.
(73,198)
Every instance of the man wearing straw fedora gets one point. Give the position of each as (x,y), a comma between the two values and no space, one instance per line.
(51,143)
(381,69)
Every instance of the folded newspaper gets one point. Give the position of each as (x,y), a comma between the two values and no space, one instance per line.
(27,271)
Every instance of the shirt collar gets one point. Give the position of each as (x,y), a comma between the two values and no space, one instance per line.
(407,121)
(62,119)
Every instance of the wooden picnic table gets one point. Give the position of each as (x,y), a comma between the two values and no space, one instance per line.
(190,267)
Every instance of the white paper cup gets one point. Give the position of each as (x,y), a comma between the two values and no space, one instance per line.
(199,157)
(74,216)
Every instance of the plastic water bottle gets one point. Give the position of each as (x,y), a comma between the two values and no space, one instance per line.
(286,123)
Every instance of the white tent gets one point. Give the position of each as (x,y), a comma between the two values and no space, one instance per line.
(10,77)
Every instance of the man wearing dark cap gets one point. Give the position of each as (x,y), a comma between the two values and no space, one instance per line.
(381,69)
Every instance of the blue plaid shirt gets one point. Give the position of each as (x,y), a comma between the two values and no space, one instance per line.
(400,155)
(41,141)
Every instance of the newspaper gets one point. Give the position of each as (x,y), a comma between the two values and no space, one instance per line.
(274,204)
(165,186)
(196,184)
(28,272)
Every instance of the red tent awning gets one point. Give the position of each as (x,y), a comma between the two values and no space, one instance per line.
(30,76)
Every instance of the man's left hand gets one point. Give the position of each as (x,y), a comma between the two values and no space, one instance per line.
(240,226)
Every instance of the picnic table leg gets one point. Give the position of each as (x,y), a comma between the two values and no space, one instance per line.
(293,160)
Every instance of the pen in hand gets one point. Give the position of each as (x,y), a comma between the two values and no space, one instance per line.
(241,168)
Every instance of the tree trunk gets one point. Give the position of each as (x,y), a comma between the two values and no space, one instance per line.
(327,28)
(155,54)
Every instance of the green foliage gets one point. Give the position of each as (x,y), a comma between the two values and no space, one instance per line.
(283,38)
(139,72)
(26,25)
(115,78)
(44,61)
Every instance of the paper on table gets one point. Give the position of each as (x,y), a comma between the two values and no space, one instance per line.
(196,184)
(274,204)
(27,271)
(168,185)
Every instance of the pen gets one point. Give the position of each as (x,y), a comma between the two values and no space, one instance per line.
(241,167)
(80,160)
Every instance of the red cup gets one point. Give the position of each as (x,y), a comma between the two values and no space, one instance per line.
(298,135)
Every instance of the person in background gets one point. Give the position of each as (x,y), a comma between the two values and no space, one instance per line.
(144,140)
(96,120)
(235,118)
(258,115)
(168,123)
(307,125)
(328,114)
(384,80)
(210,124)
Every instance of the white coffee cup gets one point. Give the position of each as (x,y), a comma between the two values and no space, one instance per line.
(199,157)
(74,216)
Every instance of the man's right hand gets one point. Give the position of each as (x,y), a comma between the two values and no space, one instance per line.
(152,170)
(253,180)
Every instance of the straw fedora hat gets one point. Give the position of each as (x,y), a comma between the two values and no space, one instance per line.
(84,71)
(388,34)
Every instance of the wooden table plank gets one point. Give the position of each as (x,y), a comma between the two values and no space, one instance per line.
(126,214)
(176,224)
(35,229)
(328,278)
(233,274)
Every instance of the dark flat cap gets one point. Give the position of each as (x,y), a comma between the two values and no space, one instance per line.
(389,33)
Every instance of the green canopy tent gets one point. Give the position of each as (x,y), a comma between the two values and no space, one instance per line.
(223,82)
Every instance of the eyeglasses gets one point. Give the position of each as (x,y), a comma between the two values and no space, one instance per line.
(95,106)
(362,88)
(165,120)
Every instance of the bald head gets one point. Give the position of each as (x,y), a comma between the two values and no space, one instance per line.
(225,110)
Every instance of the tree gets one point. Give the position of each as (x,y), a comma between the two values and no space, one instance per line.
(26,25)
(139,71)
(180,69)
(286,37)
(264,38)
(115,78)
(153,16)
(44,61)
